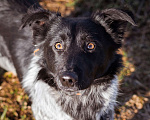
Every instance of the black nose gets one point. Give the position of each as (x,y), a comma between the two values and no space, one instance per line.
(68,79)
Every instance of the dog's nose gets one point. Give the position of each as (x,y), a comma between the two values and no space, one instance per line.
(68,79)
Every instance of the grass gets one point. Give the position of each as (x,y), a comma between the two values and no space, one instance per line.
(3,116)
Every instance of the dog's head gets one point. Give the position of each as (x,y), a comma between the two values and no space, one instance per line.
(78,51)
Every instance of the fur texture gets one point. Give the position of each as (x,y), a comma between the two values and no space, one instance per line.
(73,75)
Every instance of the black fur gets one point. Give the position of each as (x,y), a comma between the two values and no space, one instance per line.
(85,67)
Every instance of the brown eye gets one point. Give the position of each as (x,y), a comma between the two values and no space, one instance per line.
(58,46)
(91,46)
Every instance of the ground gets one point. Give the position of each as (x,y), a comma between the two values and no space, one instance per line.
(134,79)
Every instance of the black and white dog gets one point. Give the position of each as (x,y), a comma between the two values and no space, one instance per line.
(72,75)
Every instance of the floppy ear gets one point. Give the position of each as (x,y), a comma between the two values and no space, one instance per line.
(40,22)
(114,21)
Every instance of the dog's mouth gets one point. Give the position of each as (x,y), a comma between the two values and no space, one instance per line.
(74,88)
(71,91)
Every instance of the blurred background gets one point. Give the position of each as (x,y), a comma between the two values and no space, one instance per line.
(134,78)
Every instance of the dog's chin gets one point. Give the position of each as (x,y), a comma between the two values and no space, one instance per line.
(68,91)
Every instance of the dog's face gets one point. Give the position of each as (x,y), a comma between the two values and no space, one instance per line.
(77,52)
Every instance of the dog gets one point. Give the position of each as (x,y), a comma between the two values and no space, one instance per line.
(66,65)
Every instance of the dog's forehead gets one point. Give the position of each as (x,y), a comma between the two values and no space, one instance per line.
(79,27)
(79,24)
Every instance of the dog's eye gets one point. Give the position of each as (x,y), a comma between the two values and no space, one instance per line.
(91,46)
(58,46)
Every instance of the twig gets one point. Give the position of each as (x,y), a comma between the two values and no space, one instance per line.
(141,85)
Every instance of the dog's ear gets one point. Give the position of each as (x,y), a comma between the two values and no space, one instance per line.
(40,22)
(114,21)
